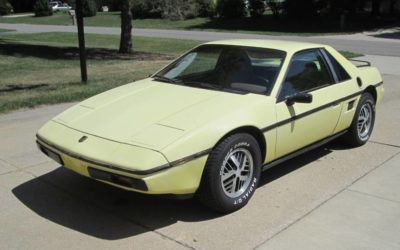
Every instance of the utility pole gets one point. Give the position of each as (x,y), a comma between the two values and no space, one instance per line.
(81,38)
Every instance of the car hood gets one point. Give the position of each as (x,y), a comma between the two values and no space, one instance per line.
(148,113)
(133,113)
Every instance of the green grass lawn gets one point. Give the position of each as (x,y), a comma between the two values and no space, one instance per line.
(39,69)
(4,30)
(264,25)
(59,39)
(107,19)
(43,68)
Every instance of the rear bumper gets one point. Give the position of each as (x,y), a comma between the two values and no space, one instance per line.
(114,163)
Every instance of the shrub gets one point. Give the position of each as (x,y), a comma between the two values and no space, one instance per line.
(207,8)
(42,8)
(5,7)
(180,9)
(22,5)
(173,9)
(231,8)
(114,5)
(300,10)
(89,8)
(147,9)
(256,7)
(276,7)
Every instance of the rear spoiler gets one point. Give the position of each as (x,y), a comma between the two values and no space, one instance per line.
(360,63)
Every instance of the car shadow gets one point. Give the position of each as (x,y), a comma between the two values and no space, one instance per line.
(298,162)
(102,211)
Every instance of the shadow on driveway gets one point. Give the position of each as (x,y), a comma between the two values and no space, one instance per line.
(106,212)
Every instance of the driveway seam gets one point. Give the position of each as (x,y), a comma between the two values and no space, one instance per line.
(10,172)
(9,163)
(385,144)
(26,166)
(107,210)
(322,203)
(372,195)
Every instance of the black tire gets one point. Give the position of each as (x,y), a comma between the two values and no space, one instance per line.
(211,191)
(354,137)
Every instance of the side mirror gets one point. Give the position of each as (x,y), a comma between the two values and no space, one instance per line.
(299,97)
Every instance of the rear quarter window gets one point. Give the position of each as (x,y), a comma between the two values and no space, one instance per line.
(341,73)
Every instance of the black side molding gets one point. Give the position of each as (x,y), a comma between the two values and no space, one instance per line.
(302,151)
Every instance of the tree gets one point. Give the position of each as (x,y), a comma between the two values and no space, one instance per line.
(376,8)
(231,8)
(276,7)
(89,8)
(42,8)
(257,7)
(5,7)
(180,9)
(301,10)
(22,5)
(125,45)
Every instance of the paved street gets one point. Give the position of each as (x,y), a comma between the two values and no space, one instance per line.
(330,198)
(386,44)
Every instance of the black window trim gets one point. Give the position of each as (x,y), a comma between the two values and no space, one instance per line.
(328,59)
(320,49)
(329,66)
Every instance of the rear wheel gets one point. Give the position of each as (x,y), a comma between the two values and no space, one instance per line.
(363,122)
(231,174)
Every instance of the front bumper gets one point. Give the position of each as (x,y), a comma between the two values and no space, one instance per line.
(121,165)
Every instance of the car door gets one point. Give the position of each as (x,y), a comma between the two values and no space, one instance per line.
(301,124)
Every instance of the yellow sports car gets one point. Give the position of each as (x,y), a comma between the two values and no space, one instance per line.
(212,120)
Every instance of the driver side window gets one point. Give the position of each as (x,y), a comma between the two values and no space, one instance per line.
(307,71)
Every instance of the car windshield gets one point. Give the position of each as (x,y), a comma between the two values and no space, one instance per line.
(226,68)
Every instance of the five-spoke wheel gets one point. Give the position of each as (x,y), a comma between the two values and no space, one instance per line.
(236,172)
(231,174)
(363,121)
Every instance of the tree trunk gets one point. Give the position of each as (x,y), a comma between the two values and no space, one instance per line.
(392,6)
(376,8)
(125,45)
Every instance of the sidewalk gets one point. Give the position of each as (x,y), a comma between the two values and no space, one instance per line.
(18,15)
(366,215)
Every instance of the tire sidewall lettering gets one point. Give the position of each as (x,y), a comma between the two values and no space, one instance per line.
(248,193)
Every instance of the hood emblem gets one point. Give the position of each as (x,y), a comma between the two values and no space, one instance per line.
(83,138)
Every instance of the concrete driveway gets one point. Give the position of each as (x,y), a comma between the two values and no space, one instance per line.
(332,197)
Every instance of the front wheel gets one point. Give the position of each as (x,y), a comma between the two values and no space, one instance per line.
(363,122)
(231,173)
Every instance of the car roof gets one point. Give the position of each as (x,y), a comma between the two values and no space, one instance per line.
(288,46)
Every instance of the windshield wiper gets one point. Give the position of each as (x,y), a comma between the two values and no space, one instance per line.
(166,79)
(203,85)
